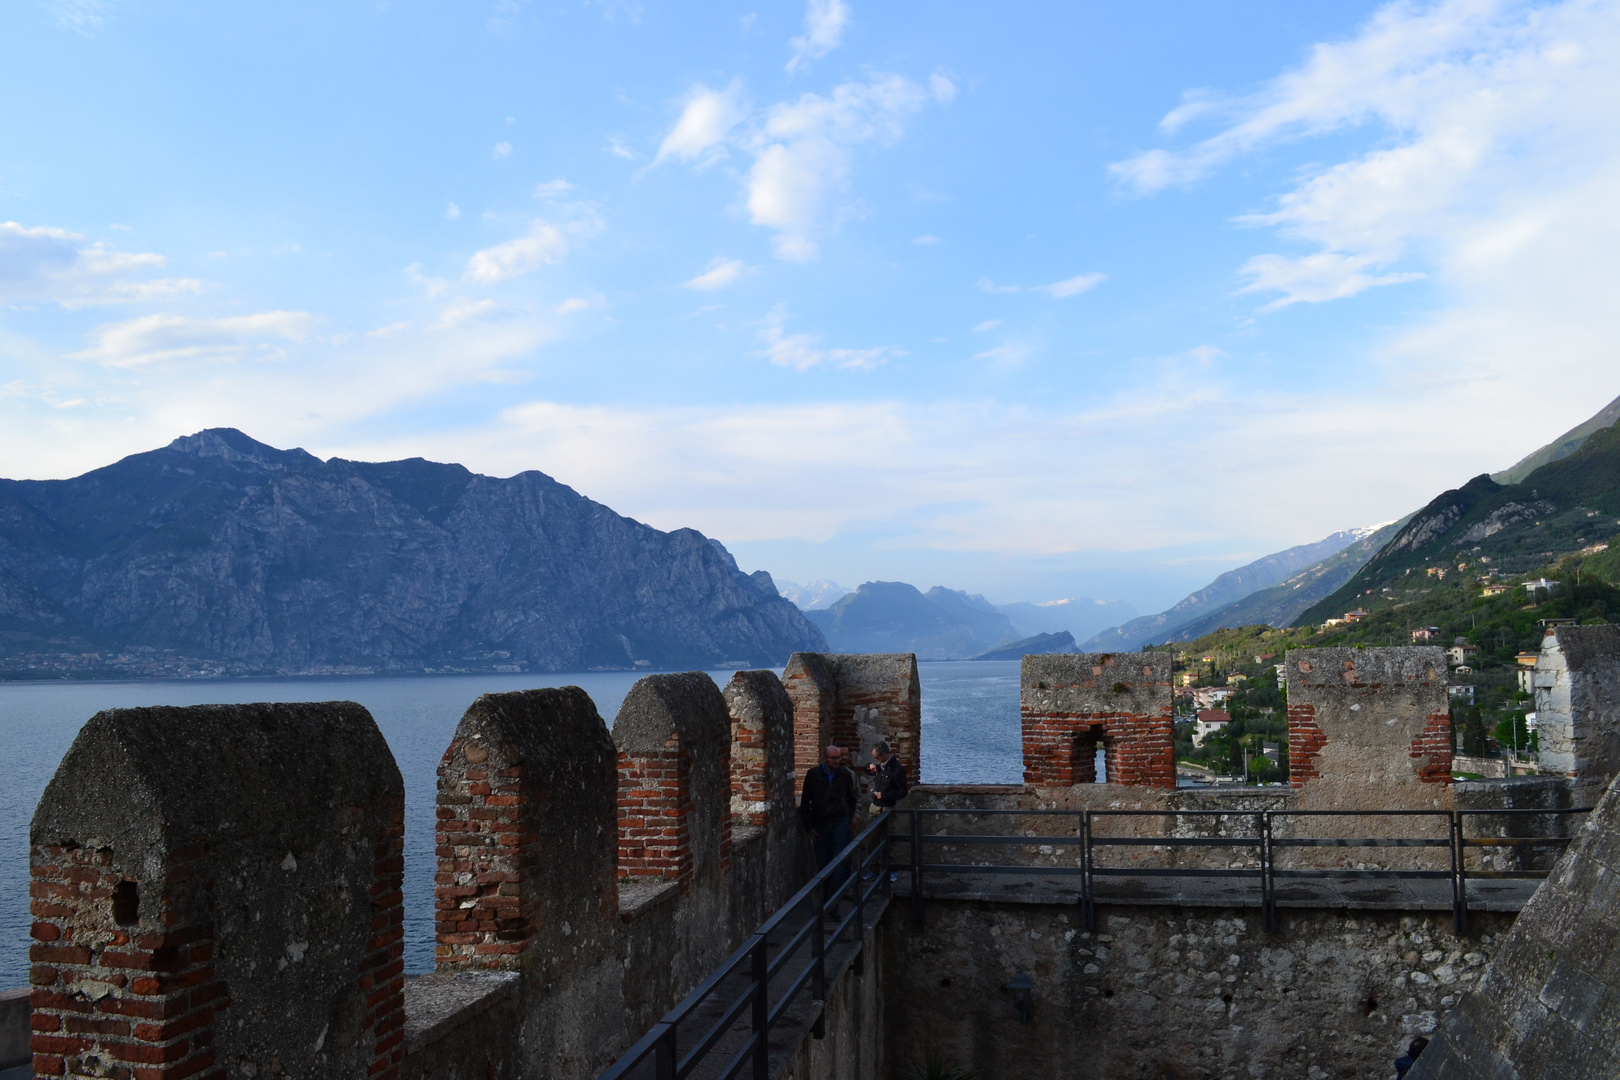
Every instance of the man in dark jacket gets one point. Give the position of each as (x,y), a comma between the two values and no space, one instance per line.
(827,807)
(1403,1065)
(889,784)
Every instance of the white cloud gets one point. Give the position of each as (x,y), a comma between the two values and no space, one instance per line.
(618,148)
(153,338)
(986,285)
(85,16)
(803,351)
(720,273)
(502,149)
(544,244)
(580,303)
(802,152)
(824,24)
(706,119)
(988,324)
(51,265)
(553,189)
(1074,286)
(1484,112)
(461,312)
(926,241)
(452,211)
(1012,354)
(1312,279)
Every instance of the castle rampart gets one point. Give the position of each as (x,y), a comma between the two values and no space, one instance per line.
(217,889)
(1073,704)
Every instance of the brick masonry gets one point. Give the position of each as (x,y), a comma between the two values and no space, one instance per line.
(854,700)
(1070,704)
(1368,723)
(196,872)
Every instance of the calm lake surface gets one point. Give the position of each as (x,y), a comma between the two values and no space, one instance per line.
(970,734)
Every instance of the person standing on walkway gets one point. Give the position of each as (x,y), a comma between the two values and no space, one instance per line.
(1403,1065)
(827,806)
(889,784)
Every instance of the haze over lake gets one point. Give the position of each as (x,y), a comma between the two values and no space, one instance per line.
(970,734)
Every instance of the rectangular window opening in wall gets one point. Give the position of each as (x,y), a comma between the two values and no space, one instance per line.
(126,903)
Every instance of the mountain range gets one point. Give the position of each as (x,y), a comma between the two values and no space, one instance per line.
(220,554)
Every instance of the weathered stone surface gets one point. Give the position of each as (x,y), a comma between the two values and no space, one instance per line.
(1070,705)
(763,788)
(1367,727)
(459,1025)
(1161,992)
(854,700)
(1549,1004)
(219,886)
(1578,706)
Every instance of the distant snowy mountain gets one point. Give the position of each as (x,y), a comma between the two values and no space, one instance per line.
(816,596)
(1080,616)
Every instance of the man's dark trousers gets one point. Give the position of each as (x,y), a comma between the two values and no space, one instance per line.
(831,838)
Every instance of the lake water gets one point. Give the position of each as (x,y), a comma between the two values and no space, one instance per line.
(970,734)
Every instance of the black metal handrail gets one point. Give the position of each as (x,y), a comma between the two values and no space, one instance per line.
(1263,840)
(662,1047)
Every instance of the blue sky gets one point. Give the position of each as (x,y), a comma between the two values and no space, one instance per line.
(1033,300)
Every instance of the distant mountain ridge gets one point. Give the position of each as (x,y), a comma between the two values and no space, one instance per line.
(892,616)
(1080,616)
(1563,446)
(1569,504)
(1208,606)
(1039,644)
(220,548)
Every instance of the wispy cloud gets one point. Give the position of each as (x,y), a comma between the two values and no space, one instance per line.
(1012,354)
(51,265)
(580,303)
(1073,286)
(153,338)
(553,189)
(502,149)
(542,245)
(926,240)
(707,117)
(824,24)
(452,211)
(988,324)
(720,273)
(804,351)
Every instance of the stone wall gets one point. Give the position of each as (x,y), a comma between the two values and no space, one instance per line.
(1165,992)
(1577,680)
(1122,702)
(854,700)
(1367,728)
(1549,1004)
(764,790)
(217,889)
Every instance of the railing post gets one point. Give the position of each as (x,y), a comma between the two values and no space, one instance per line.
(888,854)
(1268,883)
(1088,900)
(1459,878)
(916,868)
(818,956)
(664,1055)
(762,1009)
(859,964)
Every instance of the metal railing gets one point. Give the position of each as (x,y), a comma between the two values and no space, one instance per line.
(788,953)
(767,974)
(1263,840)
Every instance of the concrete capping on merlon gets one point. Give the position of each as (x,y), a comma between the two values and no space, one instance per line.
(1549,1003)
(1375,720)
(1069,704)
(1577,683)
(853,700)
(218,888)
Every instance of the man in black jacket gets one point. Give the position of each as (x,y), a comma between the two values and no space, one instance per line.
(889,784)
(827,807)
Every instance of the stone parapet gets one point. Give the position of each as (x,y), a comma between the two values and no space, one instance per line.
(1073,704)
(1366,725)
(1577,686)
(216,890)
(855,700)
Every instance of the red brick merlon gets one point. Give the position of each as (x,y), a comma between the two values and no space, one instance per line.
(673,736)
(1373,717)
(525,841)
(184,864)
(854,700)
(1072,704)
